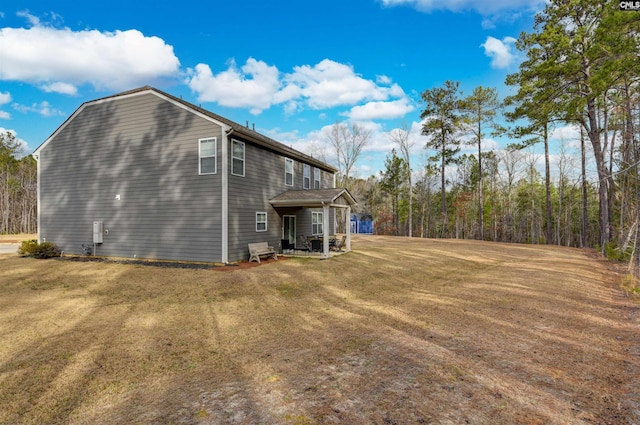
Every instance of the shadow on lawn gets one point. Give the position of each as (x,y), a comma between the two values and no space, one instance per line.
(505,338)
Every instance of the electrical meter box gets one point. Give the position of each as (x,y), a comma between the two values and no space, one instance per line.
(98,230)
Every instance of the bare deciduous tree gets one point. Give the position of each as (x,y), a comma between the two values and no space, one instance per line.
(402,137)
(347,142)
(17,187)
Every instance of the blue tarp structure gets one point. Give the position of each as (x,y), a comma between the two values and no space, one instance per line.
(362,223)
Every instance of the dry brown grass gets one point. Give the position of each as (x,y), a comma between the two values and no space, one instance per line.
(397,332)
(17,238)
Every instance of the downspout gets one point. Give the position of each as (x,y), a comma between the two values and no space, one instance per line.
(37,158)
(225,195)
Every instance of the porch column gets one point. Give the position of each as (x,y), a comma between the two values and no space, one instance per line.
(325,230)
(348,228)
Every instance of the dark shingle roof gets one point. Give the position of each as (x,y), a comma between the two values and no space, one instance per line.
(312,198)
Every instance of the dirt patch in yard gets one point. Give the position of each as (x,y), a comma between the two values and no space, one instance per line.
(397,332)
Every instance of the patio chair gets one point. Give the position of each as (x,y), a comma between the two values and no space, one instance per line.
(304,245)
(339,244)
(286,245)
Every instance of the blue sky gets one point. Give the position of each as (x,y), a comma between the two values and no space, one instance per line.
(291,68)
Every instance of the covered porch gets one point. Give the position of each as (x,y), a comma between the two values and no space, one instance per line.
(325,199)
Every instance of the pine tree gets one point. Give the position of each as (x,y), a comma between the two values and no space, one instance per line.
(443,125)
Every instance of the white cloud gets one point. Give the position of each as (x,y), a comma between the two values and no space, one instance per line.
(484,7)
(364,170)
(383,79)
(500,51)
(253,86)
(61,59)
(286,137)
(569,135)
(470,146)
(329,84)
(380,110)
(490,145)
(63,88)
(33,20)
(5,98)
(259,86)
(43,108)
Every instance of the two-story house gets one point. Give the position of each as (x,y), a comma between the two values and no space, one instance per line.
(144,174)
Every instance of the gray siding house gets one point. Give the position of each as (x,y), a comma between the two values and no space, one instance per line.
(144,174)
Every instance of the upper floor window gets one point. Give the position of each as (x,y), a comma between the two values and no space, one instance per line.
(306,176)
(288,172)
(207,153)
(316,178)
(237,158)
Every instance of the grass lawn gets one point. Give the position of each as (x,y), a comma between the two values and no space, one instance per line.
(397,332)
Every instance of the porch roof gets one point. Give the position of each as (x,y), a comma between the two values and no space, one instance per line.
(314,198)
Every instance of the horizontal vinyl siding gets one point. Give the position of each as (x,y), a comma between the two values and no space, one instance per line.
(264,179)
(145,150)
(305,223)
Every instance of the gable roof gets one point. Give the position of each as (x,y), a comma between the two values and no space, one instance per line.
(313,198)
(231,127)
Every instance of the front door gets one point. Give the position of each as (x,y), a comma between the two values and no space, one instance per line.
(289,228)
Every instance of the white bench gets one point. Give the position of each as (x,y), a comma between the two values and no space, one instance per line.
(260,249)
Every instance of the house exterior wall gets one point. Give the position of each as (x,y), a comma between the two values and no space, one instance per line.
(305,223)
(144,150)
(263,180)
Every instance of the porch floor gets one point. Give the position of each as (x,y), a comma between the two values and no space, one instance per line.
(307,254)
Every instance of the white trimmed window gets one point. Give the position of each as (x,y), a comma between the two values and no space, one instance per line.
(237,158)
(207,149)
(316,178)
(288,172)
(306,176)
(316,223)
(261,222)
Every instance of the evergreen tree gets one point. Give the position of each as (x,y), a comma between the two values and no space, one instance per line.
(479,113)
(443,125)
(568,68)
(392,183)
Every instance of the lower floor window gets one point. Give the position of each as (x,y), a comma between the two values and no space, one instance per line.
(316,223)
(261,222)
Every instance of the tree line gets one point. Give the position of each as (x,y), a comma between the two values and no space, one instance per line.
(580,70)
(18,188)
